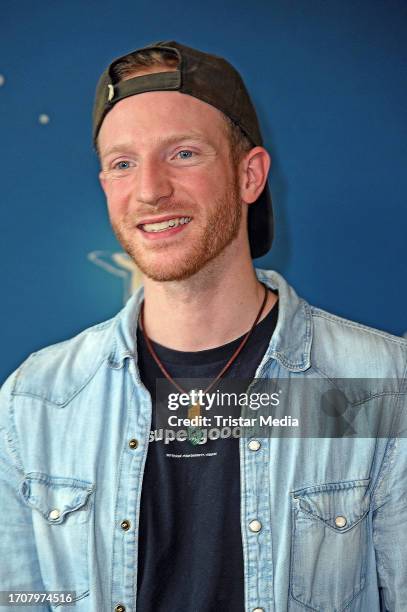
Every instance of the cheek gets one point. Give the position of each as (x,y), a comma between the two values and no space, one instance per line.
(117,196)
(204,185)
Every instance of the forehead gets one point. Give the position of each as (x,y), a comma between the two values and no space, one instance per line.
(148,116)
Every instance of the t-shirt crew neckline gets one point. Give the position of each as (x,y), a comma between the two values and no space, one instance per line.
(219,353)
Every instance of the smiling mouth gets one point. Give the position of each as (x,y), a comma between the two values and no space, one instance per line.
(161,226)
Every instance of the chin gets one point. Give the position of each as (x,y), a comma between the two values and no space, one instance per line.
(170,270)
(182,260)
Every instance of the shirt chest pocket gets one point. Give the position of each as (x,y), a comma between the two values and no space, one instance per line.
(329,544)
(61,522)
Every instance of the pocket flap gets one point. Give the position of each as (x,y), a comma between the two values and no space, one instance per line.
(54,497)
(340,504)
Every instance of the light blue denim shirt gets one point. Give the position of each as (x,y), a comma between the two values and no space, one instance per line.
(323,520)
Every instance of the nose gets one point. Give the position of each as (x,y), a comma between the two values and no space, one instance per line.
(152,182)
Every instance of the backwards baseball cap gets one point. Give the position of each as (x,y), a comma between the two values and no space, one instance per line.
(213,80)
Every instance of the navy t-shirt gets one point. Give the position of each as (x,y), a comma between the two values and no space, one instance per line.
(190,546)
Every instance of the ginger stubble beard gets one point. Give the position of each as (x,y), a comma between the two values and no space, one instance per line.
(221,228)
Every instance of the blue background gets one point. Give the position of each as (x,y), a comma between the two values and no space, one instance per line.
(329,82)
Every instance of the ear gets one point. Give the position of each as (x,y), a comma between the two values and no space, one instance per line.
(254,169)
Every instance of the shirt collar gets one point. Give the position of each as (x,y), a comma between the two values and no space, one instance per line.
(125,331)
(290,343)
(292,338)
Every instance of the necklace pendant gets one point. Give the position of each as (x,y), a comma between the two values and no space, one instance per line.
(194,410)
(195,434)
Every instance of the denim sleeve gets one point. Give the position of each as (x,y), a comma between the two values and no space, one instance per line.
(19,567)
(390,523)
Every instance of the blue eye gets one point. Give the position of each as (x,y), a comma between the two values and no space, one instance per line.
(188,156)
(122,165)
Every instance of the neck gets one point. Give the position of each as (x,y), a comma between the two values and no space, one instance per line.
(214,307)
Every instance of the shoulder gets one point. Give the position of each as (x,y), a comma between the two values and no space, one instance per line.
(307,336)
(56,371)
(356,349)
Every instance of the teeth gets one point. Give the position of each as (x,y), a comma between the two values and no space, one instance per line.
(163,225)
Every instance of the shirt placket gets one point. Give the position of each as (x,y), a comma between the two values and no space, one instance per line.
(255,524)
(133,459)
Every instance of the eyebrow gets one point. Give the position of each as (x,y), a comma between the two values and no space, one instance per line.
(168,140)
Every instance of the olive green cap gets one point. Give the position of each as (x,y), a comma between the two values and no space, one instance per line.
(213,80)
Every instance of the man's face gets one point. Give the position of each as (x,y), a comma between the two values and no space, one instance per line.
(171,188)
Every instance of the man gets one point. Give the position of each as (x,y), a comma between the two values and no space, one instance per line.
(98,498)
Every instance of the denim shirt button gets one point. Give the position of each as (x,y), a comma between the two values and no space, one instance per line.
(258,610)
(54,515)
(254,445)
(255,526)
(133,443)
(120,608)
(125,525)
(340,521)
